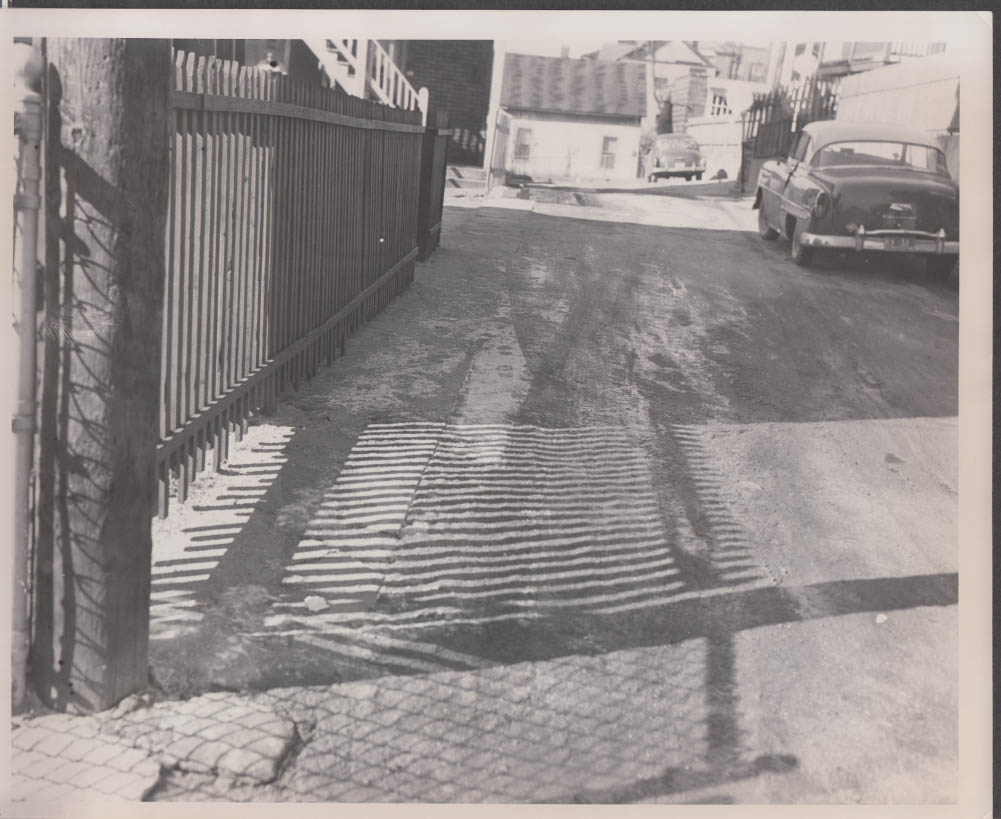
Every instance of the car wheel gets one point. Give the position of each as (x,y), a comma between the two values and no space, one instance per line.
(688,177)
(768,233)
(698,177)
(803,256)
(940,266)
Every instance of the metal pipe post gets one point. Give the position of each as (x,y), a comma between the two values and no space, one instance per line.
(28,125)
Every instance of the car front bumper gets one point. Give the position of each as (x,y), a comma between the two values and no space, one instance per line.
(891,241)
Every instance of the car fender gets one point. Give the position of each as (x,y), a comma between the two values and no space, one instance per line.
(766,173)
(799,195)
(794,209)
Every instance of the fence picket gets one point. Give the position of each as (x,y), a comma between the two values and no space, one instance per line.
(774,118)
(240,228)
(202,320)
(192,207)
(180,256)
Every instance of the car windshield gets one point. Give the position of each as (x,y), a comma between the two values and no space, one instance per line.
(676,143)
(874,152)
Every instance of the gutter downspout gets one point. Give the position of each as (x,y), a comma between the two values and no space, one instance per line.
(27,202)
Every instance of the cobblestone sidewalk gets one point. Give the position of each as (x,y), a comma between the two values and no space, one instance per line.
(622,726)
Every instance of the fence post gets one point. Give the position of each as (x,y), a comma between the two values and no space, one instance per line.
(427,185)
(106,200)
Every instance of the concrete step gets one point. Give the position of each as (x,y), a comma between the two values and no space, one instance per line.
(465,176)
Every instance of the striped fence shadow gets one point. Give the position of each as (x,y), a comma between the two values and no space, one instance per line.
(431,524)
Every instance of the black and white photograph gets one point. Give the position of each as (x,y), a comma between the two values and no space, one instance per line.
(500,409)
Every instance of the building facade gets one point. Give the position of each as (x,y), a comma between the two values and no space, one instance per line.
(457,76)
(571,119)
(738,61)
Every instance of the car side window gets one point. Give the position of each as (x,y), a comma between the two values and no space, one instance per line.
(800,147)
(794,147)
(808,152)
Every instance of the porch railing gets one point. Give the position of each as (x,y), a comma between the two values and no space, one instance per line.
(364,66)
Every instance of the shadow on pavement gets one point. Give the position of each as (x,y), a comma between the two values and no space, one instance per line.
(688,190)
(679,780)
(620,727)
(703,617)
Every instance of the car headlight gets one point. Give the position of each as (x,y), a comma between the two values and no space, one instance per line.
(821,205)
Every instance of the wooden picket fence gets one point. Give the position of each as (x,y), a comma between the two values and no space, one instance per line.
(293,218)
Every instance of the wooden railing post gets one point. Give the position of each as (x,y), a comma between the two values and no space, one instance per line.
(423,101)
(362,70)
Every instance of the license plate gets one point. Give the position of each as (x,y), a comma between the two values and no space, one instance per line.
(900,242)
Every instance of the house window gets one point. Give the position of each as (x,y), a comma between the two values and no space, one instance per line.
(523,144)
(800,48)
(815,51)
(608,152)
(719,106)
(757,71)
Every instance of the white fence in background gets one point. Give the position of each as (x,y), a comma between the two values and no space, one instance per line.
(719,139)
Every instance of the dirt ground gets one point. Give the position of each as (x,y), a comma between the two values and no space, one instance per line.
(606,429)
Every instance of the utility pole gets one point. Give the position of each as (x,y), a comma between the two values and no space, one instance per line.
(654,99)
(106,184)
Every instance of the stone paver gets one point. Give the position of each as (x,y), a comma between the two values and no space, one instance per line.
(524,732)
(123,753)
(50,764)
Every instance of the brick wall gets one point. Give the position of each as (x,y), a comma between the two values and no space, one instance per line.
(688,95)
(457,74)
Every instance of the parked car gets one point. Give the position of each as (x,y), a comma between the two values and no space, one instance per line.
(674,155)
(861,187)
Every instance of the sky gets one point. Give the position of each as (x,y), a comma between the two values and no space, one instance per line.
(551,47)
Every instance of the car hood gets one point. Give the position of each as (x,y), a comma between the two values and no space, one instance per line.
(888,198)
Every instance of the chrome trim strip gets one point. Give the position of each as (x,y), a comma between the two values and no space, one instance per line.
(793,209)
(925,243)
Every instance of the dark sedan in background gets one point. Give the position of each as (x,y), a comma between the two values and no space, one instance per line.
(862,187)
(674,155)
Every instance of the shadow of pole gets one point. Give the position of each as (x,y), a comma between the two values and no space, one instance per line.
(679,780)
